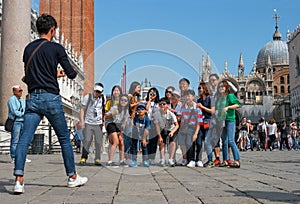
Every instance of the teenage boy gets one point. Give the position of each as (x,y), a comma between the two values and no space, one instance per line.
(140,131)
(189,128)
(166,126)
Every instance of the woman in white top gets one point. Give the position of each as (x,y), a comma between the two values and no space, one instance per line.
(272,130)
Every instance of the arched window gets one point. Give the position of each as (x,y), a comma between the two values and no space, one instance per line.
(275,90)
(297,66)
(282,80)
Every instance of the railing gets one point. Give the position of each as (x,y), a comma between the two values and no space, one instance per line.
(49,146)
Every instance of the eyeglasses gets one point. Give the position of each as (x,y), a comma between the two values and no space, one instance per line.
(140,108)
(152,94)
(124,100)
(162,103)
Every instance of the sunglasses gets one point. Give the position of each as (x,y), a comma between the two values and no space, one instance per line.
(221,86)
(199,87)
(140,108)
(169,92)
(162,103)
(98,92)
(152,94)
(124,100)
(20,91)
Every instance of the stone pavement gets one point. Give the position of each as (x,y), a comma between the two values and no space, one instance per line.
(264,177)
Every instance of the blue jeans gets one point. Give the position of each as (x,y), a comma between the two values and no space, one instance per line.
(295,142)
(134,143)
(208,144)
(37,106)
(228,139)
(15,135)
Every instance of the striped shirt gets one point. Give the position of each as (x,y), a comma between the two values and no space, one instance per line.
(195,119)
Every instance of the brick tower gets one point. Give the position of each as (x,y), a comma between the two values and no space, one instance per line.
(75,20)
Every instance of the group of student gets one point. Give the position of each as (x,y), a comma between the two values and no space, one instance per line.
(179,119)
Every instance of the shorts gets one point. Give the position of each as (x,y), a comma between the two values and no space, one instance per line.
(112,127)
(164,134)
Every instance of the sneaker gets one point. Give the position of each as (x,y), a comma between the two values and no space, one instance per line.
(162,163)
(82,161)
(199,164)
(183,162)
(12,160)
(79,181)
(146,164)
(191,164)
(98,162)
(133,164)
(123,163)
(171,162)
(28,161)
(19,188)
(151,161)
(217,162)
(112,164)
(209,164)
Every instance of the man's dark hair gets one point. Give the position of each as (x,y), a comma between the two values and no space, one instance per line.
(215,75)
(44,23)
(189,91)
(164,99)
(184,79)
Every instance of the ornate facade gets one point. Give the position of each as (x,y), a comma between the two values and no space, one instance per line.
(266,90)
(294,50)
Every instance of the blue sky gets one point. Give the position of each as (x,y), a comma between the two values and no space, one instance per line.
(164,40)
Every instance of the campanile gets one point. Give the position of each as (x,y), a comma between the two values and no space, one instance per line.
(75,20)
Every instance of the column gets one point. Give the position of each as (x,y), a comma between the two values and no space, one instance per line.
(16,27)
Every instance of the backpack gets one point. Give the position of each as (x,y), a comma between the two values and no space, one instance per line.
(103,106)
(260,129)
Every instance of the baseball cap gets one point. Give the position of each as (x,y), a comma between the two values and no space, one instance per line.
(176,92)
(98,87)
(142,105)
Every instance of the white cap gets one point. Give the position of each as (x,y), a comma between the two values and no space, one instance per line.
(98,87)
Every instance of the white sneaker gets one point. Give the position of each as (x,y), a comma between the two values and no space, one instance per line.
(191,164)
(28,161)
(171,162)
(19,188)
(79,181)
(12,160)
(199,164)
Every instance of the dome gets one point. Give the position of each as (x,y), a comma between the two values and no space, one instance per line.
(278,51)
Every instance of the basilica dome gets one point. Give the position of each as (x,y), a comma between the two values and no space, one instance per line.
(278,51)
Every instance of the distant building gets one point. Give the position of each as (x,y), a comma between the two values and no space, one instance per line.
(294,50)
(266,90)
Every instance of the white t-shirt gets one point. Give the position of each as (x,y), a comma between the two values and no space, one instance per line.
(166,121)
(272,129)
(93,114)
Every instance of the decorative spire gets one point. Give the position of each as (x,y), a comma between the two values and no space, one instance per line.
(241,67)
(241,62)
(277,34)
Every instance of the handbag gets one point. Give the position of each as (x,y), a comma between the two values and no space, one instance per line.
(9,124)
